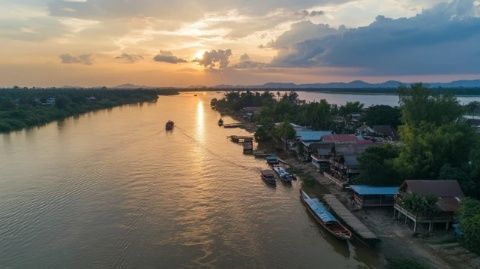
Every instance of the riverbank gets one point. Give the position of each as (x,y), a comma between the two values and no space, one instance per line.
(21,108)
(440,250)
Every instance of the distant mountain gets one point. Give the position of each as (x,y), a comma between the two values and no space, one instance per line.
(356,84)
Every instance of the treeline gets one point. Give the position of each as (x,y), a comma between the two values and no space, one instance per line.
(22,108)
(436,143)
(287,107)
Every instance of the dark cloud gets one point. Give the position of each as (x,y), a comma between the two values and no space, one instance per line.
(86,59)
(215,59)
(247,63)
(168,57)
(128,58)
(442,40)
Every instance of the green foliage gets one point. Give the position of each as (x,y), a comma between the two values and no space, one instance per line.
(469,217)
(382,115)
(26,108)
(377,168)
(404,264)
(350,108)
(284,131)
(421,205)
(436,143)
(420,105)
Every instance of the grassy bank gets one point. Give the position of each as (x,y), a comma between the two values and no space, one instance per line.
(24,108)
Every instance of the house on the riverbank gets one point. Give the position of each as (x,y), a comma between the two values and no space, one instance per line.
(307,142)
(321,155)
(373,196)
(344,162)
(447,193)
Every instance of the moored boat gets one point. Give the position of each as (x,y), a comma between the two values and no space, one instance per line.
(169,125)
(272,159)
(284,176)
(220,122)
(321,214)
(269,177)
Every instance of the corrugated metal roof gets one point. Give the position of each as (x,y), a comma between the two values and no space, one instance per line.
(373,190)
(305,135)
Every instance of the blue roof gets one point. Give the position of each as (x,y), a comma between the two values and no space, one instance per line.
(320,210)
(372,190)
(306,135)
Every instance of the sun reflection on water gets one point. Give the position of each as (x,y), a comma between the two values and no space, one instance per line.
(200,121)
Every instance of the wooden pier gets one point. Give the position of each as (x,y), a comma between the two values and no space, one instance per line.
(233,125)
(349,219)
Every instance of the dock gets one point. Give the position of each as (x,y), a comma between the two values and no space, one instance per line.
(241,138)
(349,219)
(233,125)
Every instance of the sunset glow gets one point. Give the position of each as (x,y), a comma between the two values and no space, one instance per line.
(160,43)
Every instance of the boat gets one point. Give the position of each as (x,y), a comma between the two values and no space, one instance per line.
(220,122)
(269,177)
(272,160)
(169,125)
(321,214)
(248,147)
(284,176)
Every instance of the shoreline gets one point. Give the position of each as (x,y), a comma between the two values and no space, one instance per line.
(396,239)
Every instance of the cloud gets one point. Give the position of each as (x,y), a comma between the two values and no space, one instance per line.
(186,10)
(31,29)
(128,58)
(86,59)
(440,40)
(215,59)
(168,57)
(247,63)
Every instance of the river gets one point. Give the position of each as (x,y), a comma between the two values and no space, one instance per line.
(112,189)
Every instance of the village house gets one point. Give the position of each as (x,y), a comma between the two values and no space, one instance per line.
(307,142)
(377,132)
(322,152)
(373,196)
(448,194)
(344,164)
(249,112)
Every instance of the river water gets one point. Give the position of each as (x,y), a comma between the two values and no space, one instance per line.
(112,189)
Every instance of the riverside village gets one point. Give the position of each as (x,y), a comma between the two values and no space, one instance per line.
(405,179)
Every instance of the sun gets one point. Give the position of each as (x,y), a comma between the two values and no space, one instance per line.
(199,54)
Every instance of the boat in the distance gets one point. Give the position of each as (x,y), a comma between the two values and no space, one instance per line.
(282,173)
(321,214)
(169,125)
(269,177)
(220,122)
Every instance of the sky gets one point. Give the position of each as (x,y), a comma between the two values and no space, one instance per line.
(236,42)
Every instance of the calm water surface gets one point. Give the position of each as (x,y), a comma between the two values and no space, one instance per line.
(112,189)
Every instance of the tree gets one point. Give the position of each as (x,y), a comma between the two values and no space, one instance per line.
(382,115)
(284,131)
(469,217)
(351,107)
(420,105)
(432,135)
(421,205)
(376,166)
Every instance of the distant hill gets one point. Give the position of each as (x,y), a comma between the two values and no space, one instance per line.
(356,84)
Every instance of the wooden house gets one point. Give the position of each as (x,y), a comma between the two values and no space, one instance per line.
(448,193)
